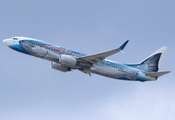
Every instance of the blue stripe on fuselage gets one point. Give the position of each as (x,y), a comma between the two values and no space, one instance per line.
(142,79)
(18,48)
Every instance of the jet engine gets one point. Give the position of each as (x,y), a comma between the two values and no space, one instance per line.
(60,67)
(68,60)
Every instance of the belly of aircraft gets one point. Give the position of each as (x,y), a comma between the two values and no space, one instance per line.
(108,72)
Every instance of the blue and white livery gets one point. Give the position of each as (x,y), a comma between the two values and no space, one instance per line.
(64,60)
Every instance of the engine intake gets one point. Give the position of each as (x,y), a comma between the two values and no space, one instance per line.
(68,60)
(60,67)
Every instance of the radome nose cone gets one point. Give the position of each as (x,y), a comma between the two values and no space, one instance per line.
(5,41)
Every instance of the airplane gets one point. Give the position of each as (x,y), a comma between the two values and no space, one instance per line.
(64,60)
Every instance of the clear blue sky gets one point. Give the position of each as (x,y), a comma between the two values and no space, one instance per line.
(31,90)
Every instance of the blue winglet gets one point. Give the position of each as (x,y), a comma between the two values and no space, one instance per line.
(123,46)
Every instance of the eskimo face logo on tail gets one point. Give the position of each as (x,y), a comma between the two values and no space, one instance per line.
(152,63)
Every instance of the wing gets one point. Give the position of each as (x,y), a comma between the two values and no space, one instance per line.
(100,56)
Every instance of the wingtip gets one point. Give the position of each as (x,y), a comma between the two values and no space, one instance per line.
(123,46)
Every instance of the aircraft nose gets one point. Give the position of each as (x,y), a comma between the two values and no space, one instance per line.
(5,41)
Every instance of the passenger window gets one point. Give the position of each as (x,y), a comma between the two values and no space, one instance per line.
(31,45)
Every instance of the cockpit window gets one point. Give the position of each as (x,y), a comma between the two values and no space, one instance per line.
(15,38)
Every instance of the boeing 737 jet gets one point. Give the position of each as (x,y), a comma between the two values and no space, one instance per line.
(64,60)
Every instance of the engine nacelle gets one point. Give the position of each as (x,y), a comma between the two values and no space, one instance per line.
(68,60)
(60,67)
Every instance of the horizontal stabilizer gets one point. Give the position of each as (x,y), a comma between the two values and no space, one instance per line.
(157,74)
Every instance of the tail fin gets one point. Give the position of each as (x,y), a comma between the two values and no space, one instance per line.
(153,62)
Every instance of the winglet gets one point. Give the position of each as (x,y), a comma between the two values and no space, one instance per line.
(123,46)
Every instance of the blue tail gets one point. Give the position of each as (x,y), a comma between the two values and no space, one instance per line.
(153,62)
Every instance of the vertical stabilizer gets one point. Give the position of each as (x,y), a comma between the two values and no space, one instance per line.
(153,62)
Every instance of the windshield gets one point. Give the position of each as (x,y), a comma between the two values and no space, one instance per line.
(15,38)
